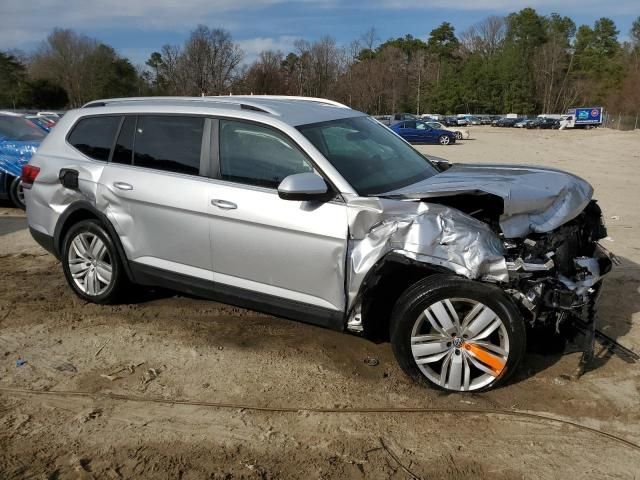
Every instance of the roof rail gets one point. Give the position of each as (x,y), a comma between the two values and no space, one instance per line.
(220,100)
(287,97)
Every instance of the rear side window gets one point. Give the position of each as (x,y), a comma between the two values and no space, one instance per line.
(94,136)
(165,142)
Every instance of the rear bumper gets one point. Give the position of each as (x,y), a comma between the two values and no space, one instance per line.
(44,240)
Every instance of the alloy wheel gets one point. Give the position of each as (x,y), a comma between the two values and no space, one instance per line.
(444,140)
(460,344)
(90,264)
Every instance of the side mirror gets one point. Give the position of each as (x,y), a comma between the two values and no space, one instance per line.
(303,186)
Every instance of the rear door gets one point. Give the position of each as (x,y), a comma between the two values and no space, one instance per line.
(263,245)
(156,193)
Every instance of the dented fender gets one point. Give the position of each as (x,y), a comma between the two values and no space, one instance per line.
(432,234)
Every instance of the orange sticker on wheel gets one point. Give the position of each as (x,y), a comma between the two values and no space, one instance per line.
(492,361)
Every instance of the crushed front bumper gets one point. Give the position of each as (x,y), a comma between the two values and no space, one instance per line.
(559,299)
(589,314)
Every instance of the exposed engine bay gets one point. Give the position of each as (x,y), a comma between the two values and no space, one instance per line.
(554,277)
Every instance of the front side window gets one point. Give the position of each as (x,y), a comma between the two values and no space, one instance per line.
(368,155)
(170,143)
(256,155)
(94,136)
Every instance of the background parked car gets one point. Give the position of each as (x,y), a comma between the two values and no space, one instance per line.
(460,133)
(505,122)
(524,123)
(19,139)
(471,119)
(419,132)
(389,120)
(455,121)
(544,123)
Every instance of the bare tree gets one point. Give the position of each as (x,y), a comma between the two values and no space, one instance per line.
(486,36)
(209,60)
(171,69)
(266,76)
(65,57)
(206,65)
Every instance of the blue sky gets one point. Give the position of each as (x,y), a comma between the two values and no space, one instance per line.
(138,27)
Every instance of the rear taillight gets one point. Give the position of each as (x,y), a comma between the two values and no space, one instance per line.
(28,176)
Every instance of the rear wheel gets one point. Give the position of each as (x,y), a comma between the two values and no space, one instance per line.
(444,140)
(457,334)
(16,193)
(91,263)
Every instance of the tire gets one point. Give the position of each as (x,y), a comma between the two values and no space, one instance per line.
(16,193)
(459,135)
(478,352)
(444,140)
(86,264)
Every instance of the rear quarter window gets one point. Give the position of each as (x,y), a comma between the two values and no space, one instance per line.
(94,136)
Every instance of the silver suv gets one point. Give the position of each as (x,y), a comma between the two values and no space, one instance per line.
(306,209)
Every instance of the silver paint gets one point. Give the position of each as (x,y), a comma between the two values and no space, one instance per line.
(318,253)
(536,200)
(428,233)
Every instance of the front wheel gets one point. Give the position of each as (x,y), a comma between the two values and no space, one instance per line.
(444,140)
(456,334)
(16,193)
(459,135)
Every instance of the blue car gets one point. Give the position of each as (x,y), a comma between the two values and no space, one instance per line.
(415,131)
(19,139)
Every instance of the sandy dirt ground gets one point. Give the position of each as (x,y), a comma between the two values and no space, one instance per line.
(176,387)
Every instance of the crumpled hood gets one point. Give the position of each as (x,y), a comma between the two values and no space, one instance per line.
(14,154)
(536,200)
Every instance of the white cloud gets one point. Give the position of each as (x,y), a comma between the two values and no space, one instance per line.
(253,46)
(24,23)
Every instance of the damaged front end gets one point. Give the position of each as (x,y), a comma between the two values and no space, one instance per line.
(556,277)
(532,231)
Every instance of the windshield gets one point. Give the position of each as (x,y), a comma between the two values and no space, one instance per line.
(368,155)
(19,128)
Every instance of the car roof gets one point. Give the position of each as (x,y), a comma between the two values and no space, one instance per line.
(294,111)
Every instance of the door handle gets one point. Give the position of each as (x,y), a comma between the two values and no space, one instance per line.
(224,204)
(123,186)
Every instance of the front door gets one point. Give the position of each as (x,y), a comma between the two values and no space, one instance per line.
(262,244)
(426,134)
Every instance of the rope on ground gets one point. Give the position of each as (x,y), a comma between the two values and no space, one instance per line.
(388,410)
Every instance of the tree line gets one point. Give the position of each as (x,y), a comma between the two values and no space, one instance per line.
(523,62)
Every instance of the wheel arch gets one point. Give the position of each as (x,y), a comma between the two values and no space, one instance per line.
(384,284)
(83,210)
